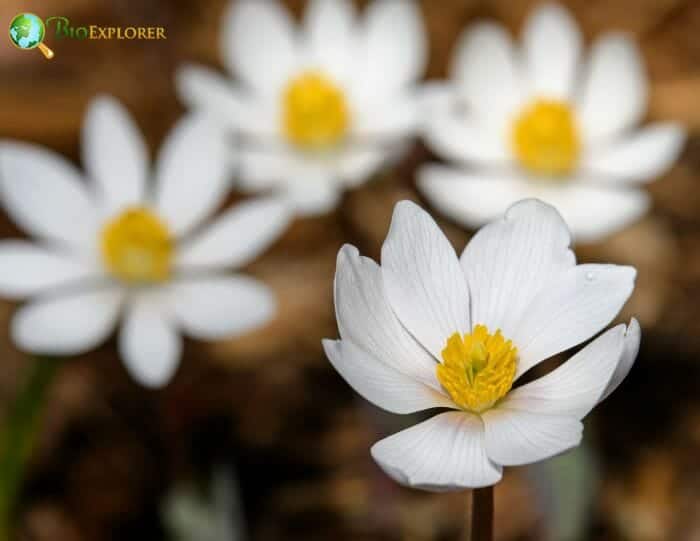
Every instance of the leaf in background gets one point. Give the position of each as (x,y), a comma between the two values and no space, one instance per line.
(18,435)
(567,486)
(191,516)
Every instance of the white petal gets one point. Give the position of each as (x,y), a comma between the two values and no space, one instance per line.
(221,307)
(45,196)
(508,262)
(552,44)
(205,90)
(629,355)
(570,310)
(423,280)
(237,237)
(435,95)
(259,169)
(66,325)
(358,164)
(379,383)
(149,343)
(614,94)
(594,212)
(515,438)
(202,87)
(311,196)
(574,388)
(114,154)
(259,44)
(192,173)
(461,138)
(393,52)
(385,121)
(472,200)
(366,319)
(331,30)
(446,452)
(487,74)
(28,269)
(641,157)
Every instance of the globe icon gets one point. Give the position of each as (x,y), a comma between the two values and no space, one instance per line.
(27,31)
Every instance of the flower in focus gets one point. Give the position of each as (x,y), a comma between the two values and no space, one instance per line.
(540,123)
(428,330)
(319,108)
(111,245)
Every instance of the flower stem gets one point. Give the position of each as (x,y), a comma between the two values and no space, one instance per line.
(482,514)
(17,437)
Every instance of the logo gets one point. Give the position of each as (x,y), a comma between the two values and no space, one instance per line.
(27,31)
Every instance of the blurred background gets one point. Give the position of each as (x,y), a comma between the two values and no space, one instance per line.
(259,438)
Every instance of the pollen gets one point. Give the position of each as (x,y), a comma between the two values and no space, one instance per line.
(137,247)
(477,369)
(315,112)
(545,138)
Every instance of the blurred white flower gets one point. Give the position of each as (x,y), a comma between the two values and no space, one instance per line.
(538,122)
(319,108)
(113,244)
(428,330)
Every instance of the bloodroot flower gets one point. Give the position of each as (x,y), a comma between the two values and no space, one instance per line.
(538,121)
(109,246)
(428,330)
(318,107)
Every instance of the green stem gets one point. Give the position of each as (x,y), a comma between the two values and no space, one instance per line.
(18,435)
(482,514)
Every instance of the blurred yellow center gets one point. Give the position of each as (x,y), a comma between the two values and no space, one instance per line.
(137,246)
(315,112)
(477,368)
(545,138)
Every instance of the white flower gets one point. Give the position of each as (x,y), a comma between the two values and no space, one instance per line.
(428,330)
(319,108)
(112,244)
(540,123)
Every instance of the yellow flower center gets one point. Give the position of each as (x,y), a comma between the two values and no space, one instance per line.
(477,368)
(137,247)
(315,112)
(545,138)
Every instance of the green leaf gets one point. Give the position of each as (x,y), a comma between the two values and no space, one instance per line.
(18,435)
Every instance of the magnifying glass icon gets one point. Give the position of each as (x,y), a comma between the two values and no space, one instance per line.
(27,31)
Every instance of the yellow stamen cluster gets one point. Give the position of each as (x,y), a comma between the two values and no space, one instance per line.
(137,247)
(478,368)
(545,138)
(315,112)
